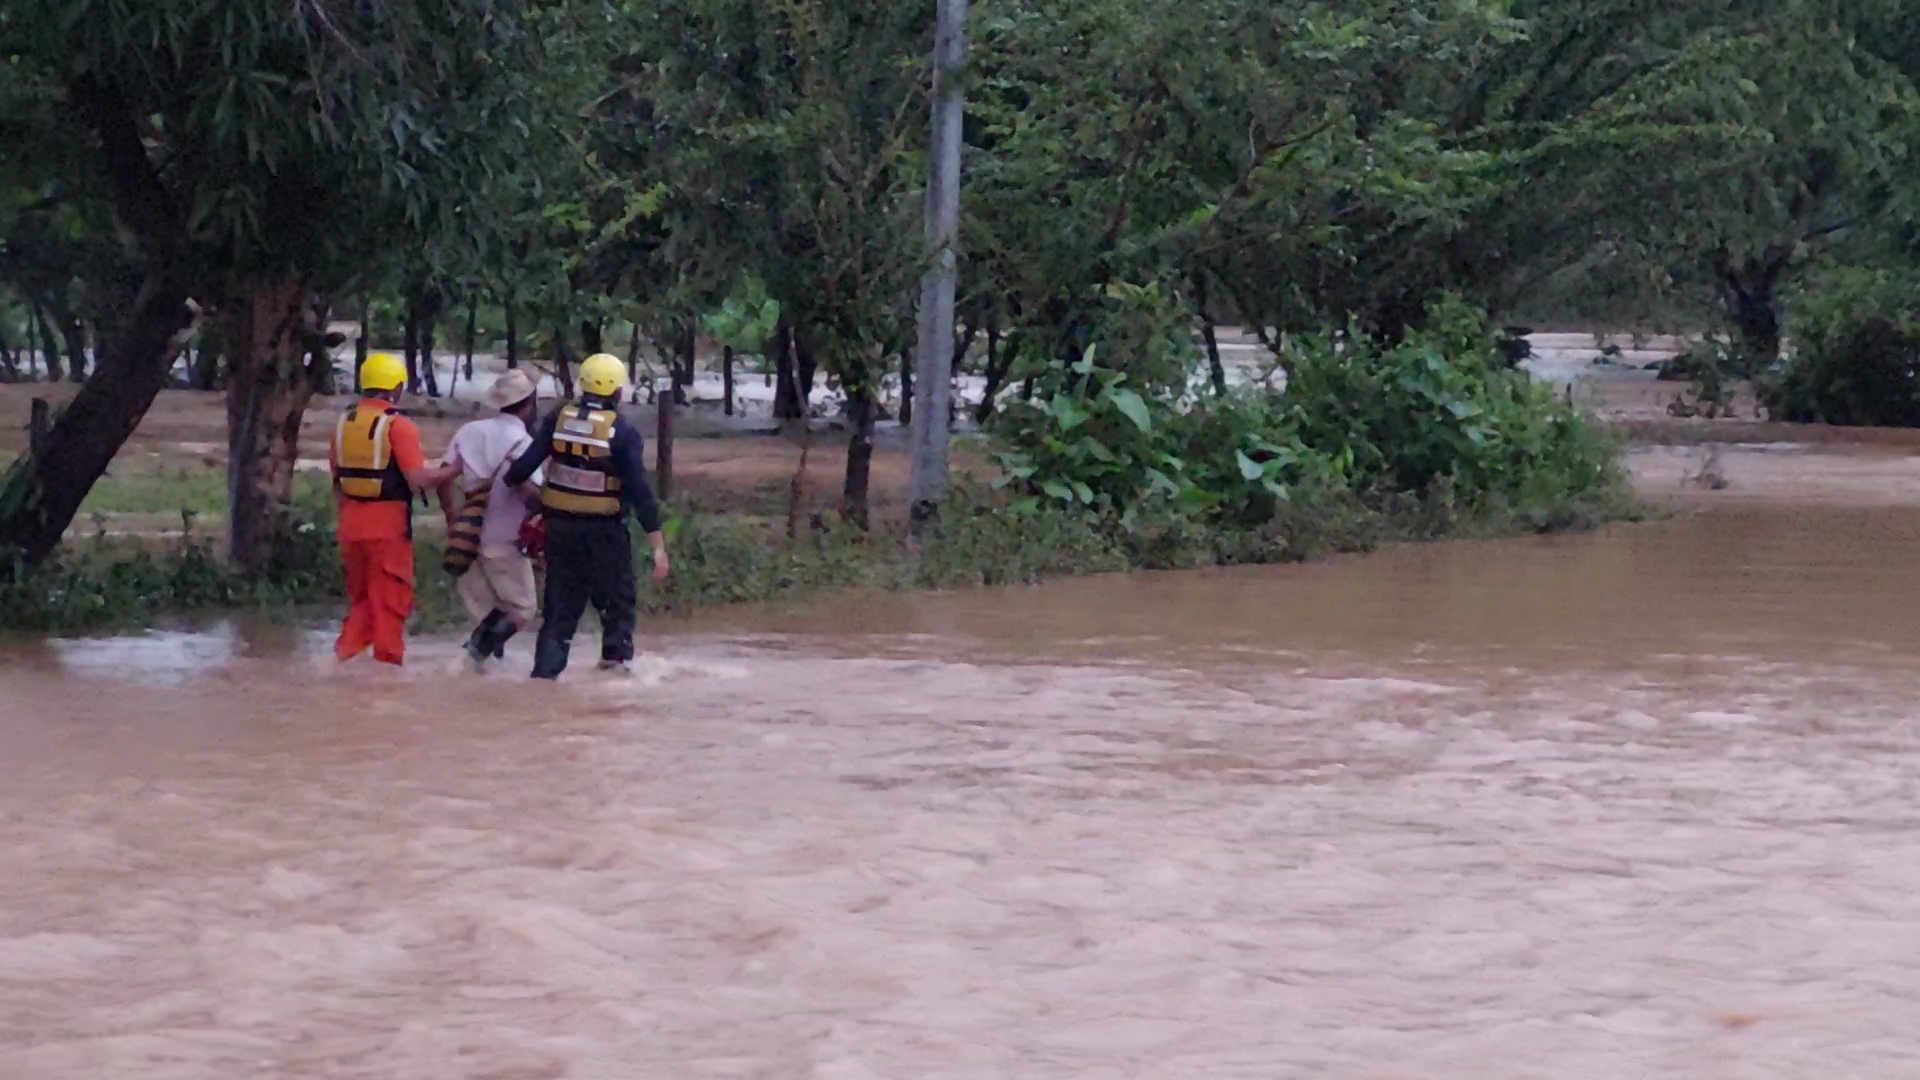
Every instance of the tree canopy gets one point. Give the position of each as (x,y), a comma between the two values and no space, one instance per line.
(1134,170)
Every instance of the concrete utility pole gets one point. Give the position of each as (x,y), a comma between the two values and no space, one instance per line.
(933,360)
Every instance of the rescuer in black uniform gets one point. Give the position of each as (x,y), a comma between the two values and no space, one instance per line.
(596,473)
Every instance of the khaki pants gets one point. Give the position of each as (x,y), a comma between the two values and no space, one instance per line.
(501,580)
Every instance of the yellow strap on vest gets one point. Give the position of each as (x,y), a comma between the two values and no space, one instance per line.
(362,454)
(585,432)
(579,476)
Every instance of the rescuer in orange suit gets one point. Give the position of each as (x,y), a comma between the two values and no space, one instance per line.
(377,466)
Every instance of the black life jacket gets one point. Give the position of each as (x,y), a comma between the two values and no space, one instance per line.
(582,480)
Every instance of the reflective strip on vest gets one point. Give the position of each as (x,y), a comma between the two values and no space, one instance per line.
(363,459)
(576,503)
(584,432)
(573,479)
(580,476)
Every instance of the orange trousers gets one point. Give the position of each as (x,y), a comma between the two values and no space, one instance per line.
(379,598)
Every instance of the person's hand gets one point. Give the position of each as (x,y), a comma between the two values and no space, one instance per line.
(661,568)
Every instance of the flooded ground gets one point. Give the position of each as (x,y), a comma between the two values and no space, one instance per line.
(1633,804)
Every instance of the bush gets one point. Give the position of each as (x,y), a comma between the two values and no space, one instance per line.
(1710,367)
(1437,426)
(1856,353)
(107,583)
(978,542)
(722,559)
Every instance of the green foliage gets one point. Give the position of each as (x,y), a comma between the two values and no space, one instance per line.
(1090,440)
(1442,408)
(1438,415)
(784,138)
(718,560)
(267,126)
(980,540)
(108,583)
(1321,174)
(746,319)
(1856,352)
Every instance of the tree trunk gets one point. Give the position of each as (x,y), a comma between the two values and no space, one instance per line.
(962,345)
(320,351)
(49,348)
(362,345)
(663,445)
(906,388)
(786,392)
(806,367)
(726,377)
(410,342)
(633,361)
(35,351)
(591,337)
(1215,369)
(860,415)
(1751,306)
(956,402)
(562,362)
(39,424)
(797,486)
(1026,389)
(42,492)
(270,384)
(206,365)
(513,337)
(75,336)
(999,362)
(683,371)
(428,327)
(320,362)
(8,361)
(473,331)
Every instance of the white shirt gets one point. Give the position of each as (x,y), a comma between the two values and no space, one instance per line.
(484,449)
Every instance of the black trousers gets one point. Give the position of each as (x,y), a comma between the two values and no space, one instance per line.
(589,560)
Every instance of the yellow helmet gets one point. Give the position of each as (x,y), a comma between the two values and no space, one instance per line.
(383,371)
(602,375)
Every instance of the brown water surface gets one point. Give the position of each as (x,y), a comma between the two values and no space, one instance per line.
(1634,804)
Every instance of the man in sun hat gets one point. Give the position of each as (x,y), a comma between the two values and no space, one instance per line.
(484,516)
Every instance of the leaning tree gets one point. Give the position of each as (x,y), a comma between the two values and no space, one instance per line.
(260,156)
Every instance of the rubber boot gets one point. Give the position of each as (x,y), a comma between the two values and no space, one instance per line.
(501,635)
(480,646)
(550,656)
(475,646)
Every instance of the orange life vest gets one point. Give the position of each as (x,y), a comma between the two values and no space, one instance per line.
(364,468)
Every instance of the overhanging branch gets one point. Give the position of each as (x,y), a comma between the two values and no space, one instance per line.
(140,199)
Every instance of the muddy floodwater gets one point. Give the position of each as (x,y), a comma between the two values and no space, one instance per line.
(1643,803)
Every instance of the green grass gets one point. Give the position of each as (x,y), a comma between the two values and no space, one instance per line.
(201,491)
